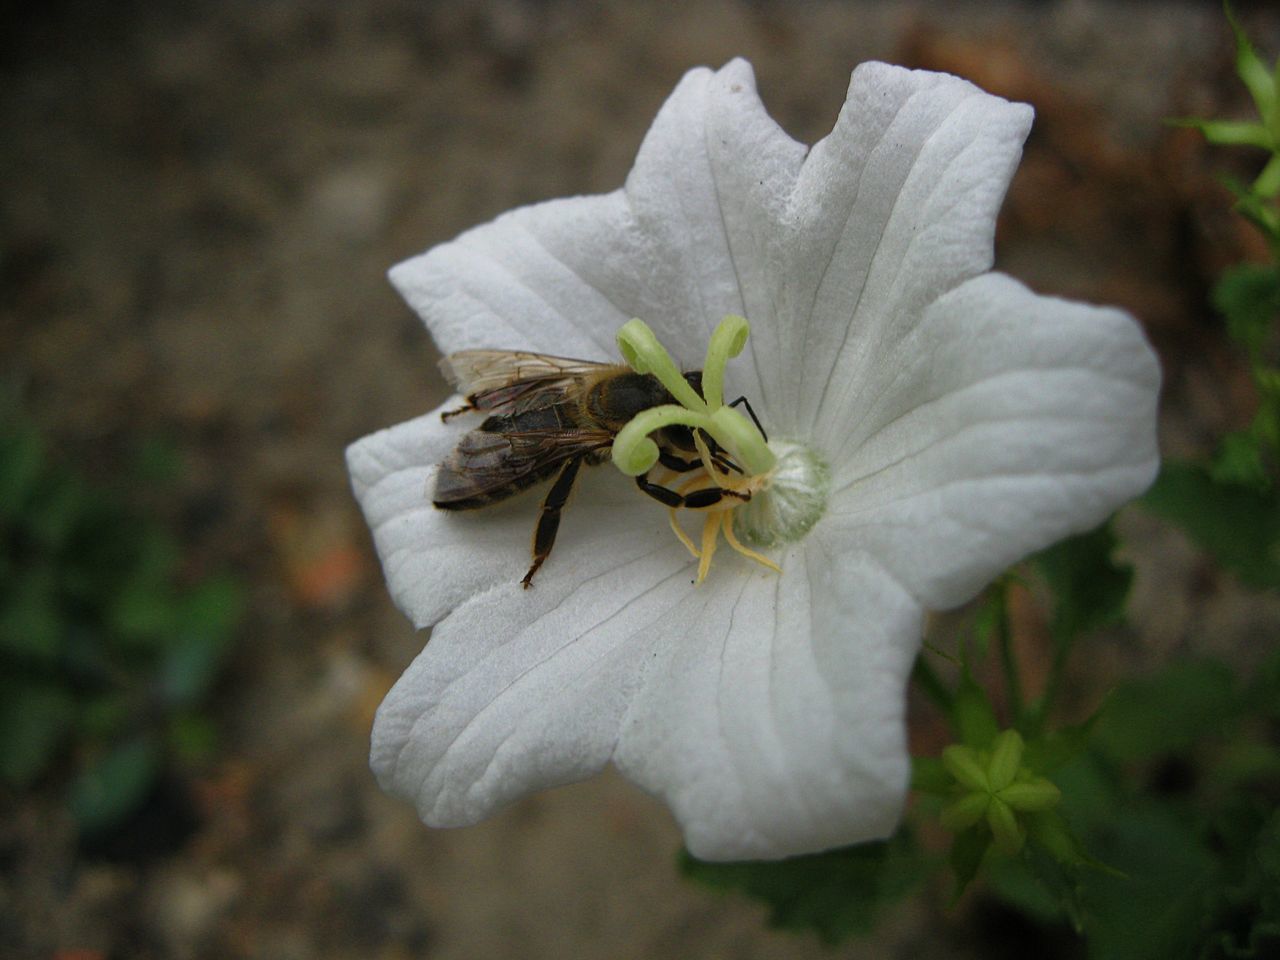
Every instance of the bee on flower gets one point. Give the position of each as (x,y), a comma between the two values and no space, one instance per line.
(929,422)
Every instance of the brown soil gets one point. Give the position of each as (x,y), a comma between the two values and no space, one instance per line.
(199,207)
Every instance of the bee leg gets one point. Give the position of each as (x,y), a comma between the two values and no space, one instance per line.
(544,534)
(697,500)
(754,419)
(448,415)
(677,464)
(680,465)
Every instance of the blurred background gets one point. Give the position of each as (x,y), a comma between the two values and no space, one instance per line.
(200,201)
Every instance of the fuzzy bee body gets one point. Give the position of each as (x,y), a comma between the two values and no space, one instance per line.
(546,417)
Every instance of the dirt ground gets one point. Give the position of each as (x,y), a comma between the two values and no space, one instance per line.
(199,205)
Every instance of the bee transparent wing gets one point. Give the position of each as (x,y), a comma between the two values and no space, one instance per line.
(486,466)
(496,380)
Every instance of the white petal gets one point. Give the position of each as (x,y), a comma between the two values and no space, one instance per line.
(523,689)
(435,559)
(894,208)
(1012,420)
(708,189)
(684,244)
(773,724)
(523,281)
(766,710)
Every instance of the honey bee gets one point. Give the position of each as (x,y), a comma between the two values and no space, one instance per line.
(547,417)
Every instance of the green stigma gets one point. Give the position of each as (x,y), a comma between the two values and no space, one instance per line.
(634,453)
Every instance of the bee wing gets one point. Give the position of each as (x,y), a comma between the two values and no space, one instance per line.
(499,379)
(487,466)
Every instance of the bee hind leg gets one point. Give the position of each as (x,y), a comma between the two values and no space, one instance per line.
(544,534)
(448,415)
(695,500)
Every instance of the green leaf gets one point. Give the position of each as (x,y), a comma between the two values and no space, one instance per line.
(968,850)
(34,720)
(1089,587)
(1240,462)
(1050,832)
(1155,908)
(1155,716)
(929,775)
(1267,184)
(207,617)
(113,785)
(836,895)
(1254,73)
(1240,527)
(1017,882)
(1248,297)
(1045,754)
(1230,133)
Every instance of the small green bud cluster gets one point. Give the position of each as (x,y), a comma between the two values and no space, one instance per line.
(998,788)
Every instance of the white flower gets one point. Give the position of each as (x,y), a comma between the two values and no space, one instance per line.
(966,422)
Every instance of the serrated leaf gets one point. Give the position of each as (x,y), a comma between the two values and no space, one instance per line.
(1169,711)
(1089,586)
(1240,527)
(836,895)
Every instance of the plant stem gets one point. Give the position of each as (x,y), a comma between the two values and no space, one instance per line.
(931,685)
(1008,658)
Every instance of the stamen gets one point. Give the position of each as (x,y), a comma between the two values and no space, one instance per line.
(710,531)
(739,445)
(731,538)
(678,530)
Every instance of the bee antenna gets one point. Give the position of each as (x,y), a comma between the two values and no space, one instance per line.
(754,419)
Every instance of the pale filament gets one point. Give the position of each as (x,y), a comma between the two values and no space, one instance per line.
(719,516)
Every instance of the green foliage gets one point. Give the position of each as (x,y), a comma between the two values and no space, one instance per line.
(105,654)
(1248,297)
(1191,834)
(1089,587)
(1238,525)
(837,894)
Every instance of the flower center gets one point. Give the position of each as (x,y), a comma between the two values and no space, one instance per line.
(792,501)
(767,493)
